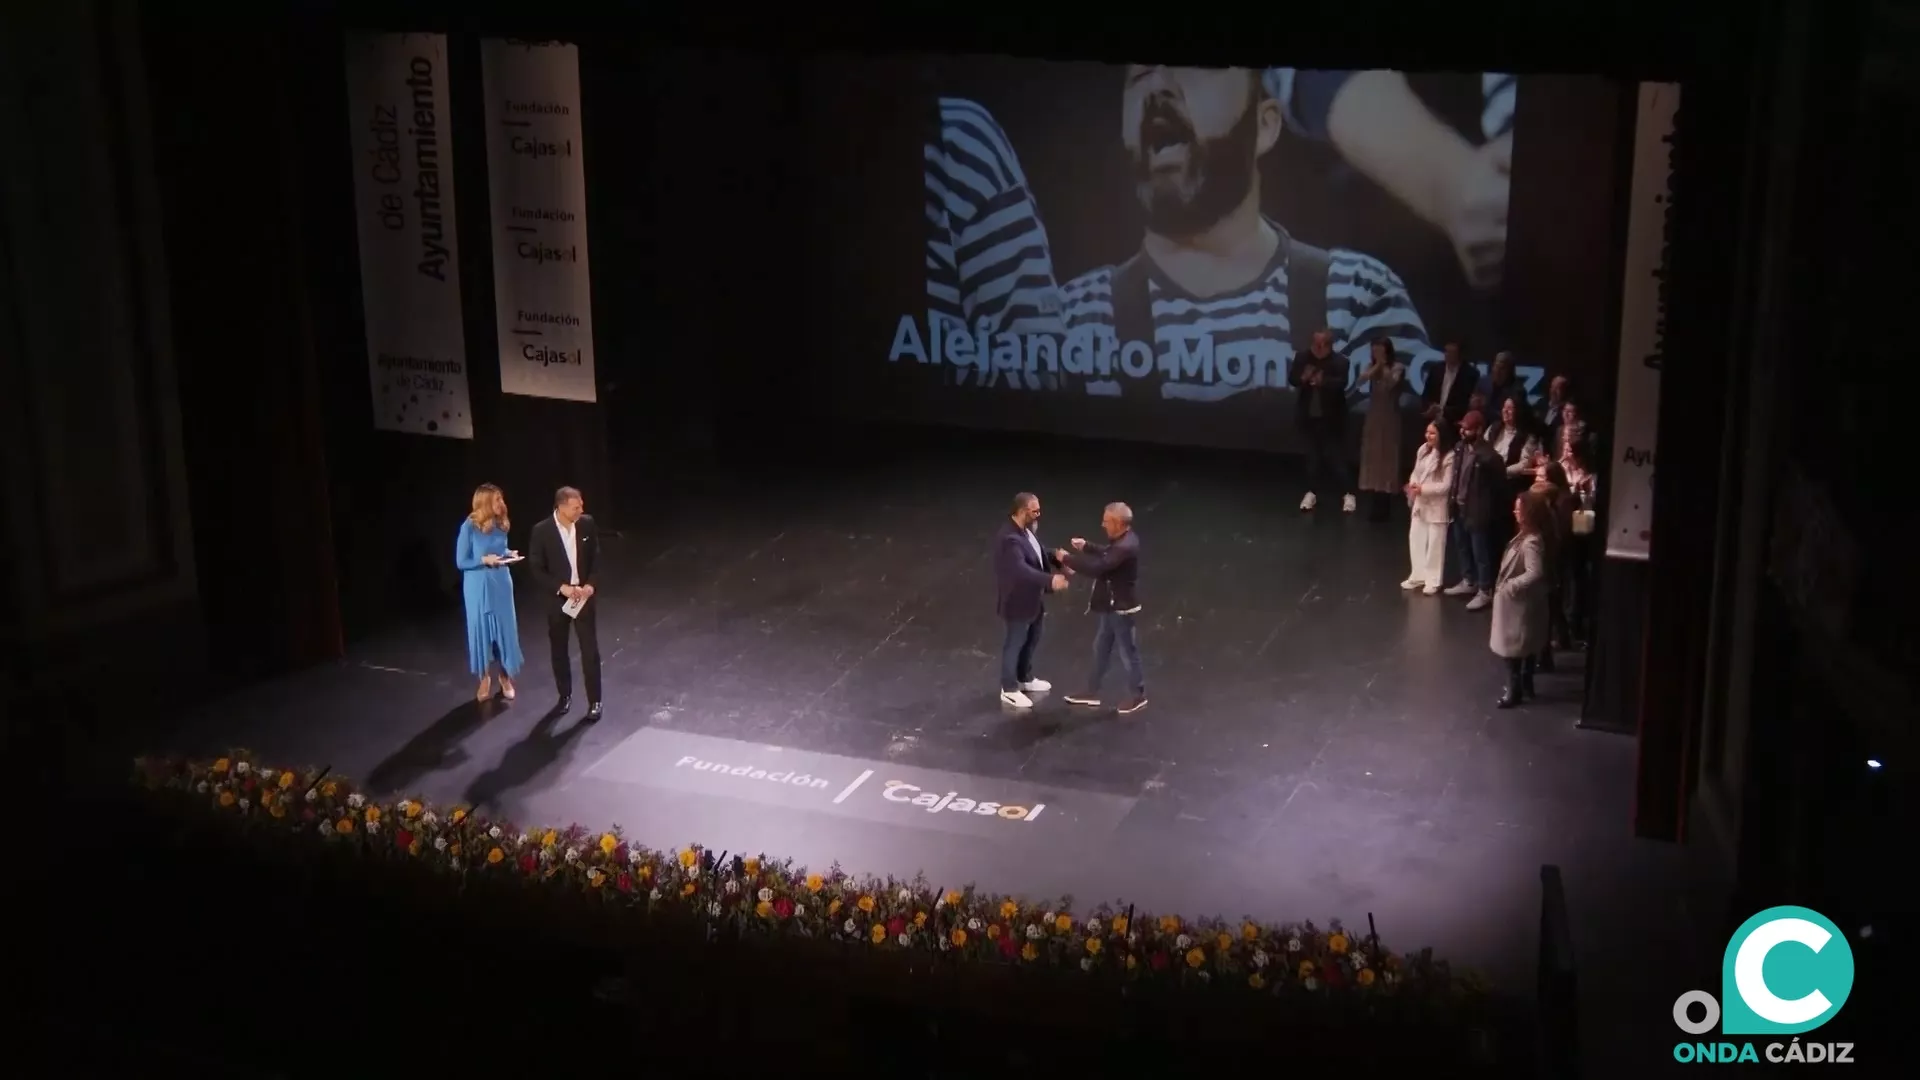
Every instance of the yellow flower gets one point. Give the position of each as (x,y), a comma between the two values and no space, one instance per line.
(549,838)
(286,780)
(1337,944)
(413,809)
(373,813)
(1009,909)
(687,889)
(222,765)
(226,798)
(494,856)
(595,878)
(1132,962)
(752,866)
(833,908)
(688,857)
(329,789)
(878,933)
(608,842)
(1365,978)
(1119,925)
(459,816)
(413,848)
(1306,969)
(1028,952)
(958,937)
(919,918)
(646,872)
(1063,923)
(1169,924)
(993,931)
(277,809)
(345,826)
(1254,980)
(815,883)
(1195,958)
(1093,945)
(865,904)
(1250,932)
(1223,941)
(763,909)
(953,899)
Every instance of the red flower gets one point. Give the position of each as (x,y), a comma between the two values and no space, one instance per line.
(1159,961)
(624,882)
(783,907)
(620,854)
(250,784)
(896,926)
(527,863)
(403,838)
(1009,945)
(1332,975)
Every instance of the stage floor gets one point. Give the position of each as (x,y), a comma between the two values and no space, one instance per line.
(1319,743)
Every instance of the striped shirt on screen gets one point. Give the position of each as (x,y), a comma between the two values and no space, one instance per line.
(988,263)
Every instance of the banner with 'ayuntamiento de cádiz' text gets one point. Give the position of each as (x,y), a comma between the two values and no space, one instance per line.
(400,120)
(538,183)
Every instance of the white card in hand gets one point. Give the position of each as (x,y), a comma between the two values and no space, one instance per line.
(573,606)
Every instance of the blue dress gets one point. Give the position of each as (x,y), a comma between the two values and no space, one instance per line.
(493,631)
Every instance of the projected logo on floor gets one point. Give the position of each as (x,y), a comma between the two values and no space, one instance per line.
(788,779)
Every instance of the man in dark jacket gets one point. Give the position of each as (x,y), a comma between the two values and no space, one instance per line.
(1026,573)
(1479,497)
(1319,380)
(1115,569)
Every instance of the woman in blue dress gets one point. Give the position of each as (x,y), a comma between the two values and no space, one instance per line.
(493,631)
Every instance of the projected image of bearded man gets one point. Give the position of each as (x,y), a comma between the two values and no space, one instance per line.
(1211,280)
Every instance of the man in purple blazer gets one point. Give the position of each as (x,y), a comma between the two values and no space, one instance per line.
(1026,572)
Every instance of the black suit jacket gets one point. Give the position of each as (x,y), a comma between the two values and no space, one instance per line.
(1434,375)
(1025,578)
(1480,486)
(547,555)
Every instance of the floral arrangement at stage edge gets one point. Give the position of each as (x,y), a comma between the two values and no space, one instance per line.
(762,896)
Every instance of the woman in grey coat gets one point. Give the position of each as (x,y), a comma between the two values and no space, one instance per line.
(1520,597)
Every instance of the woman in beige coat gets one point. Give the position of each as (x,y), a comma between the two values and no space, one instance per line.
(1427,490)
(1520,597)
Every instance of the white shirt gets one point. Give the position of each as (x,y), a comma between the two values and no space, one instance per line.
(1034,542)
(1446,383)
(573,551)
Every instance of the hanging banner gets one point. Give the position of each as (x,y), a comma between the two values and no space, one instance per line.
(409,258)
(542,289)
(1629,475)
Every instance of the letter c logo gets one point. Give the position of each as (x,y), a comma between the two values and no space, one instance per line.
(1786,970)
(906,791)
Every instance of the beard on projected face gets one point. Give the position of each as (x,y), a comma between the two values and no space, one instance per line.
(1185,182)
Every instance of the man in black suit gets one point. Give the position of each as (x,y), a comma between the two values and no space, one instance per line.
(564,553)
(1026,573)
(1115,568)
(1448,386)
(1478,499)
(1319,380)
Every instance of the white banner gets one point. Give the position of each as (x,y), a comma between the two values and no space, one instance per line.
(1642,326)
(541,285)
(409,259)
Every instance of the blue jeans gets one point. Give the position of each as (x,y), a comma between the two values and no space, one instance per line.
(1469,555)
(1116,634)
(1016,652)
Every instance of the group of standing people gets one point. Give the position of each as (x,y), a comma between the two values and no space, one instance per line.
(563,555)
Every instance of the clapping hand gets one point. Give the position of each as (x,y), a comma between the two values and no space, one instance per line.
(1059,583)
(1077,544)
(1060,555)
(1412,489)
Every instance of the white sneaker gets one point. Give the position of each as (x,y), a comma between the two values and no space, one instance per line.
(1348,504)
(1310,501)
(1461,588)
(1016,699)
(1431,590)
(1036,686)
(1479,601)
(1411,584)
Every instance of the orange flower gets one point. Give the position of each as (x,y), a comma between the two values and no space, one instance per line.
(687,857)
(865,904)
(1250,932)
(549,838)
(1093,946)
(1169,924)
(373,813)
(958,937)
(608,842)
(286,780)
(1366,977)
(413,848)
(1223,941)
(1195,958)
(752,867)
(953,899)
(993,932)
(329,789)
(646,872)
(815,883)
(1063,923)
(412,809)
(277,809)
(1119,925)
(1008,909)
(878,933)
(221,765)
(1306,969)
(1254,980)
(595,878)
(1028,952)
(453,849)
(919,918)
(1337,944)
(687,889)
(226,798)
(459,815)
(763,909)
(345,826)
(833,908)
(494,856)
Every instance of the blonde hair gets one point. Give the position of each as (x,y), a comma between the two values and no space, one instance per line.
(482,514)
